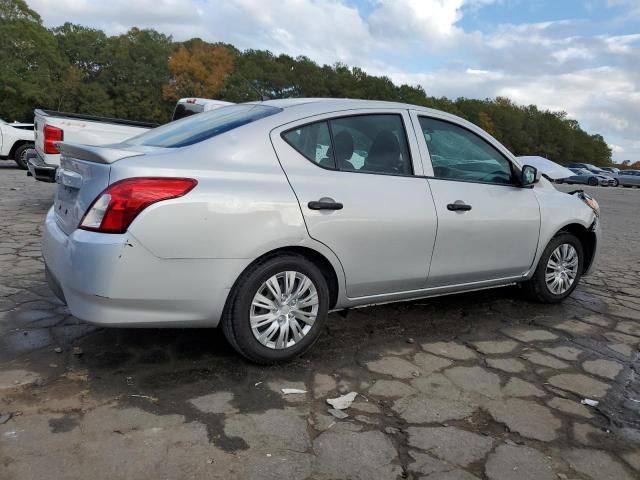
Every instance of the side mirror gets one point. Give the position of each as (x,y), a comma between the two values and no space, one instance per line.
(529,176)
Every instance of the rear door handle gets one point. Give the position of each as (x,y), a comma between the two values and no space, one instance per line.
(325,204)
(458,207)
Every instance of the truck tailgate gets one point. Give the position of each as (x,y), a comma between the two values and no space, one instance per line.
(39,123)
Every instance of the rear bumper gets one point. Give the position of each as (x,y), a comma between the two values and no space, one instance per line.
(40,170)
(113,280)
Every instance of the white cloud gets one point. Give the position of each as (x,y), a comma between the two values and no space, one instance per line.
(431,20)
(616,148)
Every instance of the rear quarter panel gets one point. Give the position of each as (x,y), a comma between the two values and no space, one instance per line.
(242,207)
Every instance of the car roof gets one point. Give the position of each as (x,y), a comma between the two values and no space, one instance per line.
(327,105)
(300,108)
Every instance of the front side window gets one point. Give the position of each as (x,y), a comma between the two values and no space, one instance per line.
(459,154)
(361,143)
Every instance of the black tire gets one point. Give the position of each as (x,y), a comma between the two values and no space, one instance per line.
(235,319)
(593,181)
(536,288)
(616,182)
(18,155)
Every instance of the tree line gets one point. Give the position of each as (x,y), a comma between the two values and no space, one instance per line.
(140,74)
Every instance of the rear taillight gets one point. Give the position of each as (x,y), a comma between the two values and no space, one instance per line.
(116,207)
(52,135)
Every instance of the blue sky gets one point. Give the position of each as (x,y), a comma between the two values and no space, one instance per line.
(582,57)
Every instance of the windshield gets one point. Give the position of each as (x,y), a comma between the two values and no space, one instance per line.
(196,128)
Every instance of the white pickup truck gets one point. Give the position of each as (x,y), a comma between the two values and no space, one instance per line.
(52,127)
(15,140)
(190,106)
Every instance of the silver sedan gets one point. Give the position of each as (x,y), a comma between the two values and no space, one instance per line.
(629,178)
(263,217)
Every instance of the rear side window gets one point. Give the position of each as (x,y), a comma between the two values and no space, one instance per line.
(198,128)
(361,143)
(314,142)
(186,110)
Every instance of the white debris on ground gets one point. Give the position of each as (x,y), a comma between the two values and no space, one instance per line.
(292,391)
(343,402)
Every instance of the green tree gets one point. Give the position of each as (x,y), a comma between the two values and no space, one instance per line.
(134,74)
(31,66)
(198,69)
(84,50)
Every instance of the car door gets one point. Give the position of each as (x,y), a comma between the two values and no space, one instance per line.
(630,178)
(488,226)
(358,179)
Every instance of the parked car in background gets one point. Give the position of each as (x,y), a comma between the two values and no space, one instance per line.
(263,217)
(190,106)
(612,170)
(586,177)
(607,172)
(629,178)
(587,166)
(52,127)
(15,140)
(549,169)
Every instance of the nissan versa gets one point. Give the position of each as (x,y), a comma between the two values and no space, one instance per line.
(263,217)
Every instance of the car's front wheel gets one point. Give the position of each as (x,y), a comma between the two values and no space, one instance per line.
(616,182)
(558,270)
(593,181)
(276,309)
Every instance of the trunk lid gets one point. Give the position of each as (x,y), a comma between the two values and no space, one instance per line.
(83,174)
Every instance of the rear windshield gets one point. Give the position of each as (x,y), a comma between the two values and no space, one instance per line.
(196,128)
(186,110)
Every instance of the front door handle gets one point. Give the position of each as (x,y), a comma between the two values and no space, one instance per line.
(458,206)
(325,203)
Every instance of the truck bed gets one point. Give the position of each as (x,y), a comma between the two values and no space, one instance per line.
(93,118)
(52,127)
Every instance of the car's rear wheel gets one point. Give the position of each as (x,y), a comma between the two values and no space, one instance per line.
(593,181)
(558,271)
(20,155)
(276,309)
(616,182)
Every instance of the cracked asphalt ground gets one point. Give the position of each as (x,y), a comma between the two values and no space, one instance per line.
(481,385)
